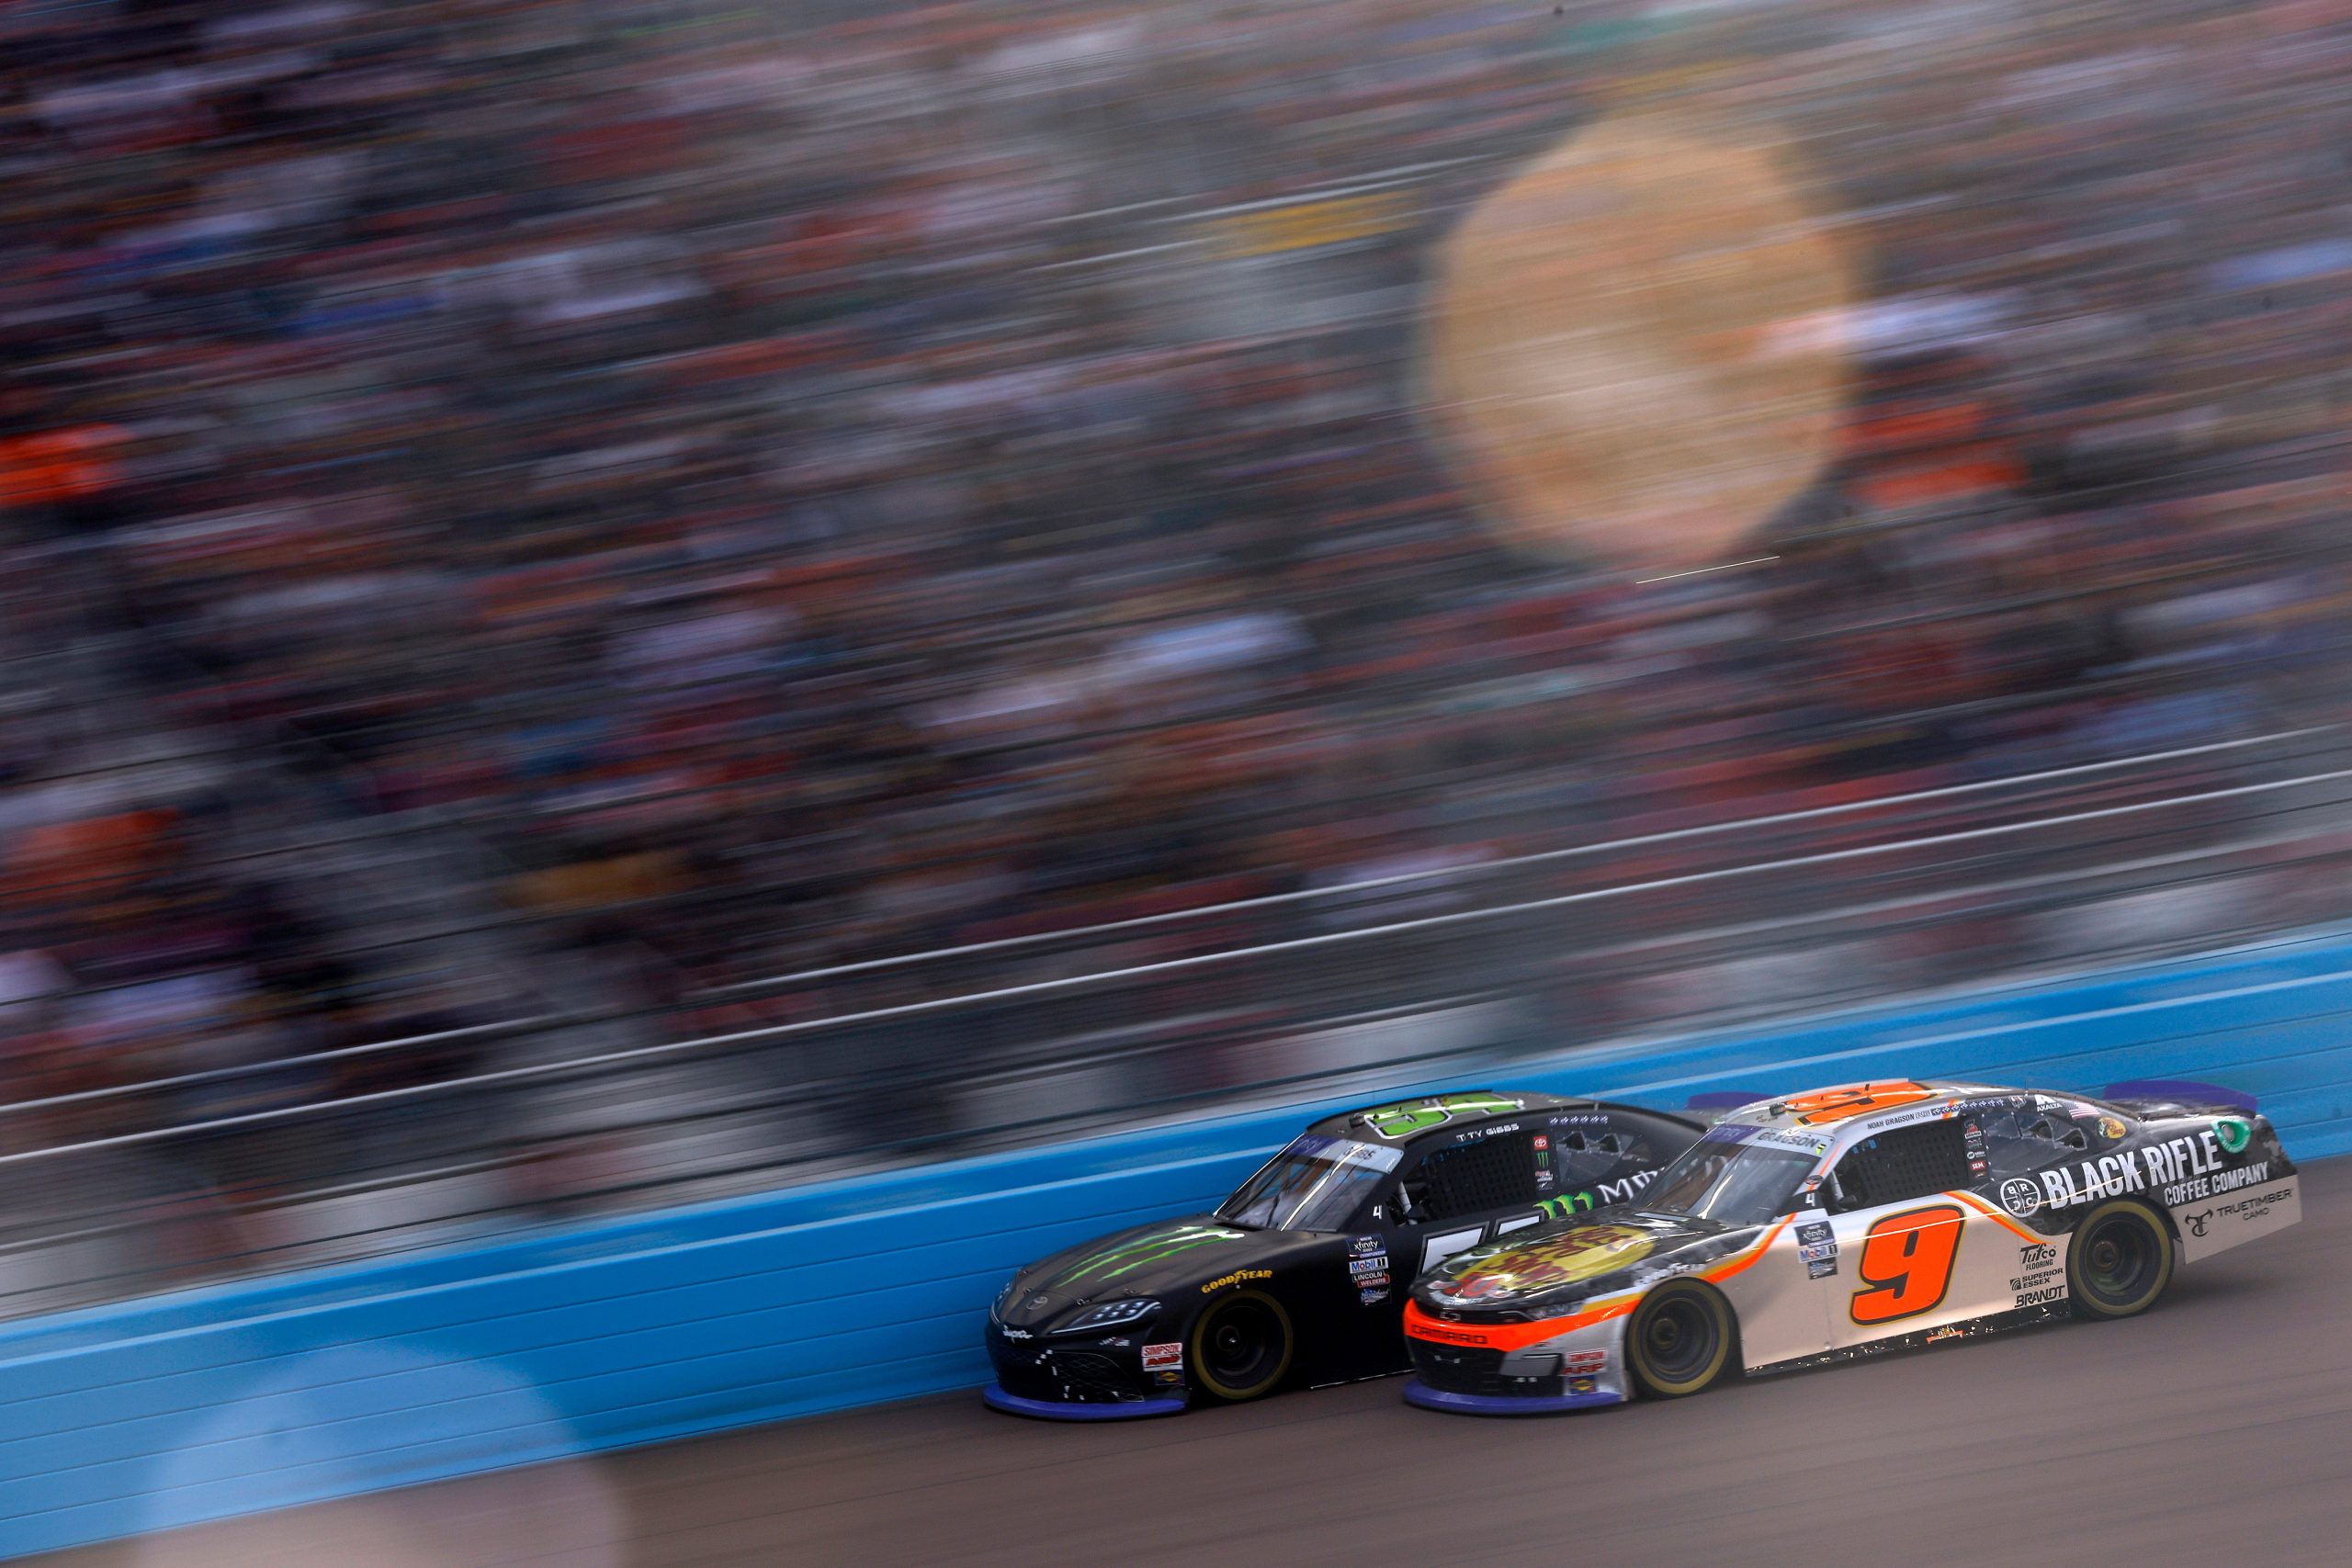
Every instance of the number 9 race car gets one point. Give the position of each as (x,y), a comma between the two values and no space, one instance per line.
(1854,1220)
(1300,1276)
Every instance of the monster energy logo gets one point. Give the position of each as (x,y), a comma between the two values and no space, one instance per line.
(1130,1255)
(1566,1204)
(1403,1121)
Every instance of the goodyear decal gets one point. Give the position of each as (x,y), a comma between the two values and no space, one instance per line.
(1130,1255)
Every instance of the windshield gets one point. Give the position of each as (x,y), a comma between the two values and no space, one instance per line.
(1317,1184)
(1724,1178)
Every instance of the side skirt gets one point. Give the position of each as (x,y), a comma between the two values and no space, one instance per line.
(1972,1328)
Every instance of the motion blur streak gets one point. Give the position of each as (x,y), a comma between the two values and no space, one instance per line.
(590,589)
(2126,1440)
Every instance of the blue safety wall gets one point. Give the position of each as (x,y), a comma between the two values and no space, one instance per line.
(212,1402)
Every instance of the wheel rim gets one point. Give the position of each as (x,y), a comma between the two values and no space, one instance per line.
(2118,1260)
(1679,1338)
(1242,1346)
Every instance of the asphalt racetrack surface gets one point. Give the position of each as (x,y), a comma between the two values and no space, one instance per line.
(2218,1428)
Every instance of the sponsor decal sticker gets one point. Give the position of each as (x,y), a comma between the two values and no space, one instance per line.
(2197,1221)
(1542,1142)
(1129,1255)
(1584,1361)
(2257,1208)
(1566,1258)
(2234,1132)
(1365,1245)
(1817,1231)
(2113,1130)
(1821,1268)
(2020,1197)
(1236,1278)
(2040,1255)
(1815,1251)
(1374,1265)
(2182,1171)
(1367,1297)
(1583,1386)
(1164,1358)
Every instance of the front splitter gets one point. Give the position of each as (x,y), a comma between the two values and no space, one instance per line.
(1057,1410)
(1428,1398)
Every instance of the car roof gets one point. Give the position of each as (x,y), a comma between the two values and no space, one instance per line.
(1401,1121)
(1839,1117)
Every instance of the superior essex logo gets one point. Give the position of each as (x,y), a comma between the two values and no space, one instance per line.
(2181,1170)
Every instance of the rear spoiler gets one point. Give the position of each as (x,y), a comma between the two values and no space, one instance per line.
(2182,1092)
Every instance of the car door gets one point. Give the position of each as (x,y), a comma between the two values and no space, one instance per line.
(1457,1191)
(1914,1252)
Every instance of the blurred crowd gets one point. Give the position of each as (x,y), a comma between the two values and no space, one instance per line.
(763,487)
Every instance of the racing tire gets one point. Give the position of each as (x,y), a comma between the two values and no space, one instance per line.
(1242,1347)
(1679,1340)
(2119,1262)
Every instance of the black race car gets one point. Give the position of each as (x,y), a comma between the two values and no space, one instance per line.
(1820,1228)
(1302,1274)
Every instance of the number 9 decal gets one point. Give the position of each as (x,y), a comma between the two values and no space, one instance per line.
(1906,1266)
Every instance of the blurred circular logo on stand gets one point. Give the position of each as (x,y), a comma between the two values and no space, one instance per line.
(1623,343)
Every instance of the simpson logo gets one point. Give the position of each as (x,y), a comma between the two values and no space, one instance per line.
(1163,1358)
(1236,1278)
(2020,1197)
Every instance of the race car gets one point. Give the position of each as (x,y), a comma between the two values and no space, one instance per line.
(1300,1276)
(1864,1218)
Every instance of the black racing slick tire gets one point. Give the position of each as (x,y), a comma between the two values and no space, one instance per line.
(1242,1347)
(2120,1261)
(1681,1339)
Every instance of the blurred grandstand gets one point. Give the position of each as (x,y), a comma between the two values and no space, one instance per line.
(588,583)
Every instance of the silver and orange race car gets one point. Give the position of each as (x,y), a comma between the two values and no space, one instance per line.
(1829,1226)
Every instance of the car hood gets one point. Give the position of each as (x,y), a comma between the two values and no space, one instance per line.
(1552,1268)
(1166,1259)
